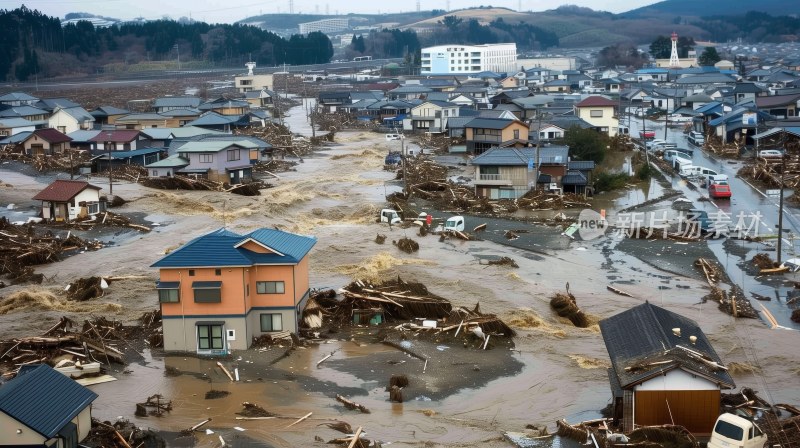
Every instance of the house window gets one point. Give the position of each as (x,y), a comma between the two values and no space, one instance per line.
(233,154)
(207,292)
(93,208)
(516,133)
(191,272)
(247,82)
(209,337)
(155,173)
(217,271)
(271,322)
(596,113)
(169,295)
(62,129)
(206,158)
(270,288)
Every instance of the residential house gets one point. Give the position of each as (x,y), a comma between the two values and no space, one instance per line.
(15,99)
(82,140)
(222,289)
(218,122)
(531,107)
(744,91)
(141,121)
(39,116)
(251,82)
(662,370)
(51,104)
(557,86)
(430,116)
(68,200)
(508,173)
(259,98)
(46,142)
(176,118)
(600,112)
(224,106)
(71,119)
(409,92)
(330,102)
(164,104)
(108,114)
(167,167)
(546,132)
(507,96)
(780,106)
(484,133)
(732,126)
(220,160)
(12,126)
(42,407)
(479,94)
(141,157)
(578,179)
(115,140)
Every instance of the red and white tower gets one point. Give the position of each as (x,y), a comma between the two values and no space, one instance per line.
(673,56)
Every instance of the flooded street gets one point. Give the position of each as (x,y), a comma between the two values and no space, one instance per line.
(465,396)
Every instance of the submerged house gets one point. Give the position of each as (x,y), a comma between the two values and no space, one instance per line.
(67,200)
(663,370)
(220,290)
(44,408)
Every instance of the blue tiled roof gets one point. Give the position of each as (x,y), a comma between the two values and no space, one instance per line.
(44,399)
(219,248)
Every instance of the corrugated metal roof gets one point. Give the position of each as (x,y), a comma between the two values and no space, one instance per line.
(116,135)
(172,161)
(16,138)
(17,96)
(22,111)
(63,190)
(15,122)
(218,248)
(645,332)
(214,119)
(177,101)
(521,156)
(214,145)
(44,400)
(52,135)
(82,135)
(582,165)
(491,123)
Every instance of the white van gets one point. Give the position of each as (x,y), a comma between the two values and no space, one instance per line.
(689,170)
(714,179)
(698,171)
(390,137)
(734,431)
(679,162)
(770,153)
(697,138)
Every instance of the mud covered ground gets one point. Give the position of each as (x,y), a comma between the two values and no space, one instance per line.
(468,397)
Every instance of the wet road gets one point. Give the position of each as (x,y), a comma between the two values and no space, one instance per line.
(756,208)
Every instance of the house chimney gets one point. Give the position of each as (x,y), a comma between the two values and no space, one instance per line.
(693,339)
(676,332)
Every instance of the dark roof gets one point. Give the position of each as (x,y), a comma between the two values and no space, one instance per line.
(177,101)
(105,111)
(63,190)
(44,399)
(491,123)
(52,103)
(777,100)
(221,248)
(642,336)
(116,135)
(51,135)
(596,101)
(574,177)
(582,165)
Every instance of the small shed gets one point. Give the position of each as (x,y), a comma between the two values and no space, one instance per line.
(663,370)
(42,407)
(67,200)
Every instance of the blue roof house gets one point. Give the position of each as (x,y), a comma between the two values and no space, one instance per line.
(44,408)
(222,289)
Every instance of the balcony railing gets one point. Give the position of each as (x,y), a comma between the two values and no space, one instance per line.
(486,138)
(490,177)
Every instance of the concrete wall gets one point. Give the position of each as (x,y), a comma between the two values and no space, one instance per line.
(180,334)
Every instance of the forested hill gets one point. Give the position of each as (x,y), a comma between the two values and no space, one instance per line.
(35,44)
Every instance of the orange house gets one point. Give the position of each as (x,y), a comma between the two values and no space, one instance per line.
(222,289)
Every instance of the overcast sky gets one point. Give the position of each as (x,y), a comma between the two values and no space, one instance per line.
(228,11)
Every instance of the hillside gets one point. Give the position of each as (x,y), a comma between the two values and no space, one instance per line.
(683,8)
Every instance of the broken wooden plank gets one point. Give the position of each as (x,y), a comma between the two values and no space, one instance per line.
(349,404)
(225,370)
(618,291)
(356,436)
(300,419)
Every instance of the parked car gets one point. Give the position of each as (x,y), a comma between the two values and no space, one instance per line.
(714,178)
(720,190)
(390,137)
(734,431)
(697,138)
(655,142)
(699,218)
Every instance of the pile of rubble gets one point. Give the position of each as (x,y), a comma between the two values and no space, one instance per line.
(565,305)
(98,340)
(68,162)
(733,302)
(121,434)
(21,248)
(392,301)
(341,120)
(280,137)
(187,183)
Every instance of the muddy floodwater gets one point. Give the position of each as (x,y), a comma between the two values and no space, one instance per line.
(466,396)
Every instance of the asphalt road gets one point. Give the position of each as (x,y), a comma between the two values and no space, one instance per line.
(757,208)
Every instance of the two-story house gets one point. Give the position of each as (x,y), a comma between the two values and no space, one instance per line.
(484,133)
(600,113)
(508,173)
(167,103)
(218,160)
(221,289)
(430,116)
(71,119)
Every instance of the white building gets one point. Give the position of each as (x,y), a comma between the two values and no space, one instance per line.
(469,59)
(325,25)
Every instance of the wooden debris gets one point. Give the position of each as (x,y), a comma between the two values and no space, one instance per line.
(300,419)
(711,270)
(618,291)
(219,364)
(352,405)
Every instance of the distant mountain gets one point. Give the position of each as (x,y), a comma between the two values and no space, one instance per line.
(702,8)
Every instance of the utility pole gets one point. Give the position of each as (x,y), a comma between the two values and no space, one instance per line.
(110,182)
(538,145)
(780,201)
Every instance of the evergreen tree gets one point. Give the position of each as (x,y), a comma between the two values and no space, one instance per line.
(709,57)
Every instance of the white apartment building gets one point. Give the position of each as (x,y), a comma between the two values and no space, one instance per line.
(325,25)
(469,59)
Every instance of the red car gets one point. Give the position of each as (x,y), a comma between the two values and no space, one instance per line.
(647,134)
(719,191)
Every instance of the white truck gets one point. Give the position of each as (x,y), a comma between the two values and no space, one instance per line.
(453,223)
(732,431)
(390,216)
